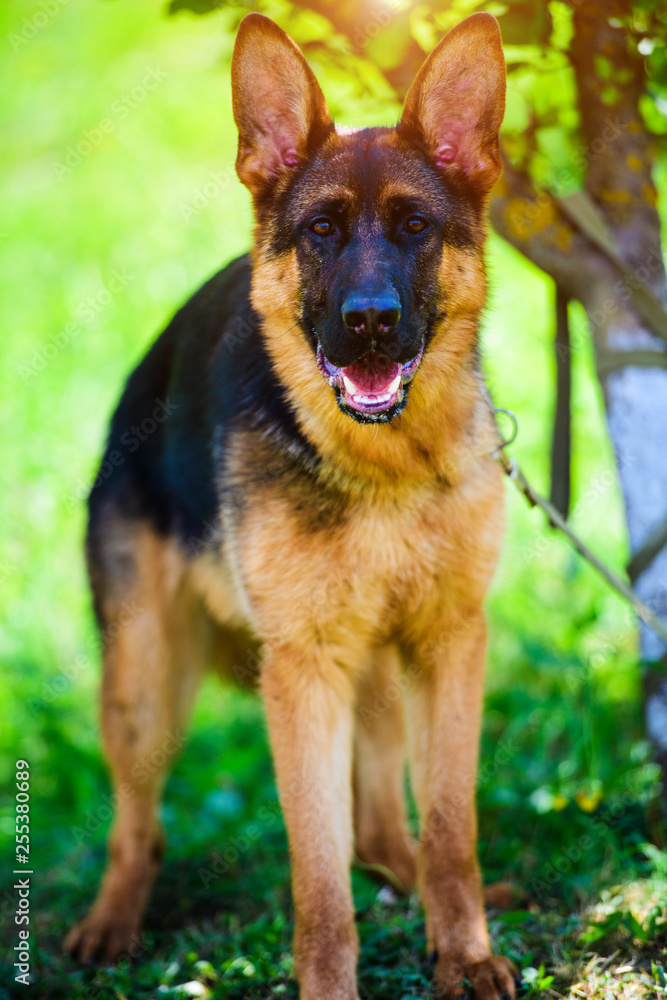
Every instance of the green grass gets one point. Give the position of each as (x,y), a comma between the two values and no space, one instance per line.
(566,789)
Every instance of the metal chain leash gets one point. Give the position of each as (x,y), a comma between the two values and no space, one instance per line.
(534,499)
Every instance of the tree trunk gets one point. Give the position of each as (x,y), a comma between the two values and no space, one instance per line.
(619,179)
(620,159)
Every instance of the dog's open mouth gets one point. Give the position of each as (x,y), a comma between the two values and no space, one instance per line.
(372,385)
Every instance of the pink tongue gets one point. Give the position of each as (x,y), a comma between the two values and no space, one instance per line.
(373,373)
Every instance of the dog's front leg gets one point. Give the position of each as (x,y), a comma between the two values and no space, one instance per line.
(308,699)
(444,702)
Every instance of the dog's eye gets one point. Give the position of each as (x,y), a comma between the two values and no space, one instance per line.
(415,224)
(322,227)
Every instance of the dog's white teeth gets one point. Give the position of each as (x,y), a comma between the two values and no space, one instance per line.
(362,398)
(372,400)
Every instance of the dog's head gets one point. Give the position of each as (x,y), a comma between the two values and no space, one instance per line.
(353,226)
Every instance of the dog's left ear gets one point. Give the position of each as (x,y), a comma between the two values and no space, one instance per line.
(278,106)
(456,103)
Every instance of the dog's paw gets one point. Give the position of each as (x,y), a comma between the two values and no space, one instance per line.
(104,936)
(492,978)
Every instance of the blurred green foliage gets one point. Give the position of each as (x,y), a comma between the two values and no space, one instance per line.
(388,38)
(120,199)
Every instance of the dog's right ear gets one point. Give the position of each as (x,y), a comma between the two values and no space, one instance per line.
(279,109)
(455,106)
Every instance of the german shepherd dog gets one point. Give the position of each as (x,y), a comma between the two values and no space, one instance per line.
(323,485)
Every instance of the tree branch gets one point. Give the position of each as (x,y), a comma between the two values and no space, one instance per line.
(532,221)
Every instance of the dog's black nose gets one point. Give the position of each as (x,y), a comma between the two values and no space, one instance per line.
(371,314)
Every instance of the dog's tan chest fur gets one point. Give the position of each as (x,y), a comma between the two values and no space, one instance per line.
(377,575)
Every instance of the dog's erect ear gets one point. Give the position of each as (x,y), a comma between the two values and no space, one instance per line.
(279,109)
(456,103)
